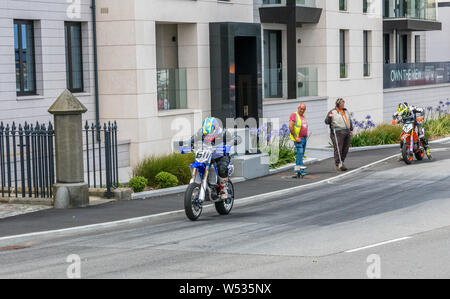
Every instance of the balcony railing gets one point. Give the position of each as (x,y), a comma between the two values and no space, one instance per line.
(275,82)
(416,74)
(419,9)
(307,82)
(172,89)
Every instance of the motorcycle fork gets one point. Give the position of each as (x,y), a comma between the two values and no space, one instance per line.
(204,182)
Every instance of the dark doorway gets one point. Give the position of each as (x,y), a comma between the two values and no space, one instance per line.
(246,77)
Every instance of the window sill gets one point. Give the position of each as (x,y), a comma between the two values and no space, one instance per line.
(344,79)
(82,94)
(174,112)
(29,98)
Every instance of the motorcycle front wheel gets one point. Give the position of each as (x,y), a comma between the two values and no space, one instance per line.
(407,154)
(224,208)
(192,206)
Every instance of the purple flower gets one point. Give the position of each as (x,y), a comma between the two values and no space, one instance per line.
(368,117)
(429,108)
(441,102)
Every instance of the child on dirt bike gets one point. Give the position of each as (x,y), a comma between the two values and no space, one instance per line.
(212,133)
(406,113)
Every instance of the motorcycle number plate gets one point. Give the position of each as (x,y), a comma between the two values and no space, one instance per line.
(202,156)
(408,128)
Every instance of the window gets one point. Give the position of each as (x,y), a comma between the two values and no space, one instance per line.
(417,47)
(74,57)
(342,54)
(365,6)
(403,47)
(387,48)
(343,5)
(366,36)
(24,57)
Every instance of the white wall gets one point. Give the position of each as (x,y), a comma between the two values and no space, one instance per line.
(127,47)
(438,42)
(363,95)
(422,96)
(49,20)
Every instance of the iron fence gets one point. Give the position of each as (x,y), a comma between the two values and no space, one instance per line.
(102,165)
(27,162)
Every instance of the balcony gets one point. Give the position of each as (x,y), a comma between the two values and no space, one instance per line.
(405,15)
(278,11)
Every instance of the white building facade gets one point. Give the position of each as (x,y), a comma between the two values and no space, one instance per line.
(37,62)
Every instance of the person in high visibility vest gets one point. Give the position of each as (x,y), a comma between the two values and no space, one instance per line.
(298,126)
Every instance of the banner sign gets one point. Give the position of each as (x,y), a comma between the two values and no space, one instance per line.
(416,74)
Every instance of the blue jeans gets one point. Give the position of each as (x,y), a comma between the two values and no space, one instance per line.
(301,148)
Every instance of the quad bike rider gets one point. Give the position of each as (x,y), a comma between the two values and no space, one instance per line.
(405,114)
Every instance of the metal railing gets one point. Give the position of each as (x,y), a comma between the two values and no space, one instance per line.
(27,161)
(102,158)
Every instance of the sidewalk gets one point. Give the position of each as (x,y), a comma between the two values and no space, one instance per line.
(53,219)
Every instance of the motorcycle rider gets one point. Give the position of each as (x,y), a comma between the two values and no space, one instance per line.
(407,113)
(212,133)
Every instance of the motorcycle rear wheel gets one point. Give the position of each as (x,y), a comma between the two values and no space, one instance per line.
(192,207)
(223,208)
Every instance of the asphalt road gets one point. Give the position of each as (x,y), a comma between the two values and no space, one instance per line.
(330,231)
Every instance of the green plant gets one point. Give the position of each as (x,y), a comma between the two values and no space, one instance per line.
(382,134)
(166,180)
(176,164)
(436,128)
(138,183)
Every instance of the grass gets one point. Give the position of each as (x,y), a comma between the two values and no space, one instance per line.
(176,164)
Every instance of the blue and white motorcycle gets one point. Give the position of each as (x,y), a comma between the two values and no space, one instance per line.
(204,185)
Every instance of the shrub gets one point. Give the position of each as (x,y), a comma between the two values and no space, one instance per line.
(176,164)
(437,128)
(382,134)
(166,180)
(138,183)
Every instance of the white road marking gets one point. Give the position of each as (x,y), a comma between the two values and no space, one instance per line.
(378,244)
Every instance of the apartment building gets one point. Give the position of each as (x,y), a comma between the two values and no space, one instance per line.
(45,47)
(164,65)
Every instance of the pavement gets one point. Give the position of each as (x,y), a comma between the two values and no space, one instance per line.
(387,221)
(54,219)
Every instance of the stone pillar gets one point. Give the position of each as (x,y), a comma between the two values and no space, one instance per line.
(70,190)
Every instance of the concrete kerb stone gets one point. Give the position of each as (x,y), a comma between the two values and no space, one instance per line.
(14,240)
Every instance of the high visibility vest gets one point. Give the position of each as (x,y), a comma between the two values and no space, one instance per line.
(297,127)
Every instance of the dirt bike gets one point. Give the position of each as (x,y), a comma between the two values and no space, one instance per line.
(410,142)
(204,185)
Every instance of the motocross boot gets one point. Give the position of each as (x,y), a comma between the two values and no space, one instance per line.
(223,185)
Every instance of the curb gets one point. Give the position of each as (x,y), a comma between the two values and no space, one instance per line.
(169,191)
(14,240)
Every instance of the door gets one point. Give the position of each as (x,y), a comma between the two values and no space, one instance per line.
(246,78)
